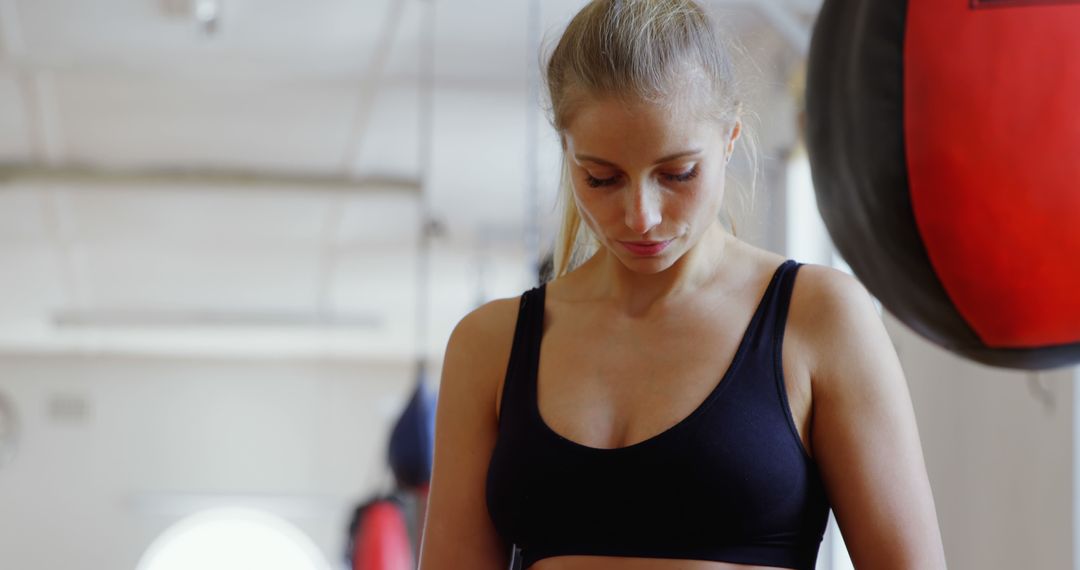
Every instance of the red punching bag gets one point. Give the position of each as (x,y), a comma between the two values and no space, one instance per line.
(944,140)
(381,541)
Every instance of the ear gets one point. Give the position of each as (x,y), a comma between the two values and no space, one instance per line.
(736,130)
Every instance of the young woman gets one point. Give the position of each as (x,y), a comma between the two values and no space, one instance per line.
(679,400)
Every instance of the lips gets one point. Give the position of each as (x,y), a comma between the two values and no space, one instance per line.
(645,248)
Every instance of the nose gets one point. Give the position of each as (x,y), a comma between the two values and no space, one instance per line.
(642,207)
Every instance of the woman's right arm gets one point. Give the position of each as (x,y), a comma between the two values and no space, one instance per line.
(458,532)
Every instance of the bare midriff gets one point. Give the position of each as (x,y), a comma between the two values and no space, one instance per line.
(624,563)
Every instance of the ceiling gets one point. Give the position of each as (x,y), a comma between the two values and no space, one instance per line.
(259,189)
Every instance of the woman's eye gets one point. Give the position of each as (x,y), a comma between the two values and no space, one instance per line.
(683,177)
(594,182)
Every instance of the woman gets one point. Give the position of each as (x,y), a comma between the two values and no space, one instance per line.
(620,444)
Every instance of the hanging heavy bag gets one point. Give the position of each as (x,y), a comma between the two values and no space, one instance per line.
(944,140)
(379,537)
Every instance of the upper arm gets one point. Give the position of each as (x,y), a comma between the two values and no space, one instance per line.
(458,532)
(864,433)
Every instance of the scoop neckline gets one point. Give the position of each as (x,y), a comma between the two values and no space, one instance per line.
(705,404)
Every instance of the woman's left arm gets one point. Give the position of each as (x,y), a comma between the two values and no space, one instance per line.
(863,432)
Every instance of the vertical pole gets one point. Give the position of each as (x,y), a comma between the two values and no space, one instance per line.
(532,159)
(425,142)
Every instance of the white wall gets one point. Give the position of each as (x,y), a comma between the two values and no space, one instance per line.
(999,449)
(163,438)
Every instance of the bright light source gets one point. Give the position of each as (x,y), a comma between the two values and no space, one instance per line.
(232,538)
(207,10)
(207,13)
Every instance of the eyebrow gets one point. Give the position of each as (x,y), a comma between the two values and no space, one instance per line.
(660,161)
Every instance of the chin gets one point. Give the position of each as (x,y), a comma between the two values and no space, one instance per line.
(648,265)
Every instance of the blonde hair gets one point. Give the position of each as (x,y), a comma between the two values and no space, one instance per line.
(654,51)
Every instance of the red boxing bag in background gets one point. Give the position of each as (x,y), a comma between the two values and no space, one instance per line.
(382,539)
(944,141)
(385,531)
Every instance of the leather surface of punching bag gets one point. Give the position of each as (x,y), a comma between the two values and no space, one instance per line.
(382,539)
(944,141)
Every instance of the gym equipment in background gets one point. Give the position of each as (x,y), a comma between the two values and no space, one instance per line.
(943,139)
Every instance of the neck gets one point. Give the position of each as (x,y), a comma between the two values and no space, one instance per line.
(637,293)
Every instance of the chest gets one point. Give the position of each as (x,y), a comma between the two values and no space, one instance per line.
(606,383)
(725,467)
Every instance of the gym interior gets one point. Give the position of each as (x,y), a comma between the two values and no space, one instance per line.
(235,237)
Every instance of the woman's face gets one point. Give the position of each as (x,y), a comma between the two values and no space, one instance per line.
(647,180)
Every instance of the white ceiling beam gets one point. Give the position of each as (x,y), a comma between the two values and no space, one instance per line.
(179,320)
(338,343)
(74,175)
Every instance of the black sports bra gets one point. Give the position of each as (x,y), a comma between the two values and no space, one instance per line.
(730,482)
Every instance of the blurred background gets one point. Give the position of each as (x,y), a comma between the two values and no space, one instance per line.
(231,231)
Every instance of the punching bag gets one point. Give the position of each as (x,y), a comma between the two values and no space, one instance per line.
(380,538)
(412,441)
(386,531)
(944,142)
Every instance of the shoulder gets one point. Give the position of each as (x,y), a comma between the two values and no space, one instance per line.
(826,292)
(837,319)
(478,350)
(491,322)
(483,336)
